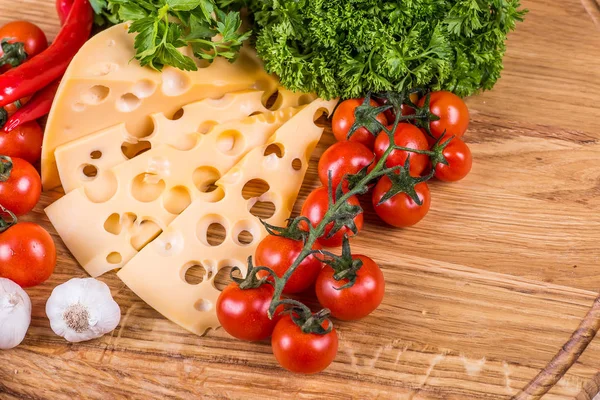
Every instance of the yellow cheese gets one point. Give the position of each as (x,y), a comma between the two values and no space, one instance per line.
(105,222)
(157,272)
(86,160)
(104,86)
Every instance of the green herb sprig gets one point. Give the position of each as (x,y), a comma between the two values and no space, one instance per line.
(163,26)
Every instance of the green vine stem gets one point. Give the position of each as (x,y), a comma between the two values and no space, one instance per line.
(5,223)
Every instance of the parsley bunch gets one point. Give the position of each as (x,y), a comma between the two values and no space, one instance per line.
(345,48)
(163,26)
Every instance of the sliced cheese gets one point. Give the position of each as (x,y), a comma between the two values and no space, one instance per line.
(157,272)
(105,222)
(86,160)
(104,86)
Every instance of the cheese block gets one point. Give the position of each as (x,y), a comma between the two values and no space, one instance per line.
(157,274)
(83,161)
(105,222)
(104,86)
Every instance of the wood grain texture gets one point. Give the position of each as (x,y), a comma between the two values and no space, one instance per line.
(480,296)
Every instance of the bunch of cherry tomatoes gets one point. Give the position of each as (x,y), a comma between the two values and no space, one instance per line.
(307,343)
(27,251)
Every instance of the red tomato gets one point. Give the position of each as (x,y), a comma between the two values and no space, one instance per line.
(343,158)
(21,192)
(344,118)
(459,159)
(32,37)
(303,353)
(279,253)
(315,207)
(243,313)
(405,135)
(453,113)
(23,142)
(400,210)
(357,301)
(12,107)
(27,254)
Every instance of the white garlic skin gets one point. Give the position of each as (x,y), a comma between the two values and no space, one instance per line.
(90,294)
(15,314)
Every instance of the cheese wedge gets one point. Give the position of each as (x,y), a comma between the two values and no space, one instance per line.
(86,160)
(105,222)
(104,86)
(157,273)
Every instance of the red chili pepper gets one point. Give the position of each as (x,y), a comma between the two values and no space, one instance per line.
(62,8)
(37,107)
(52,63)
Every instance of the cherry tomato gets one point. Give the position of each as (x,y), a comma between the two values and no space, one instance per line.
(243,312)
(405,135)
(400,210)
(453,113)
(357,301)
(279,253)
(343,158)
(27,254)
(23,142)
(32,37)
(303,353)
(315,207)
(21,192)
(343,119)
(13,107)
(460,160)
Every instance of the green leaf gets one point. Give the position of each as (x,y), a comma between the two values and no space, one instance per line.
(174,58)
(132,12)
(182,5)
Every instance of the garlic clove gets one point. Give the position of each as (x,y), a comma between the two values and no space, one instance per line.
(15,314)
(82,309)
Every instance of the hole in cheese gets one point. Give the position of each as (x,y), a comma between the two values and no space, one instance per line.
(263,209)
(96,154)
(144,233)
(147,187)
(245,231)
(223,278)
(204,179)
(297,164)
(177,199)
(230,142)
(131,150)
(255,188)
(203,305)
(215,234)
(103,69)
(128,102)
(194,273)
(275,148)
(95,95)
(114,258)
(175,82)
(206,127)
(104,190)
(271,101)
(78,107)
(177,115)
(245,238)
(113,224)
(89,172)
(144,88)
(140,127)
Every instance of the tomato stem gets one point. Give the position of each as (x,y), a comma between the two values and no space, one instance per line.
(5,224)
(6,166)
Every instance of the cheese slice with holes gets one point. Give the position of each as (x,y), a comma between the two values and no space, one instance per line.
(83,161)
(157,273)
(104,86)
(105,222)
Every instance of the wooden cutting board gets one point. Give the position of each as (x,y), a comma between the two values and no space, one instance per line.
(480,295)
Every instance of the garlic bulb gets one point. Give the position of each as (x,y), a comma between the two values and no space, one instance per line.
(15,314)
(82,309)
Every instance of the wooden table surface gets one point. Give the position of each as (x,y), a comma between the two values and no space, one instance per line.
(480,296)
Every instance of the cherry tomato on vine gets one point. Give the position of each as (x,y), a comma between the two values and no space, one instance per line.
(354,302)
(343,119)
(453,113)
(33,38)
(400,211)
(243,312)
(24,142)
(405,108)
(315,207)
(27,254)
(405,135)
(279,253)
(303,353)
(20,188)
(459,158)
(343,158)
